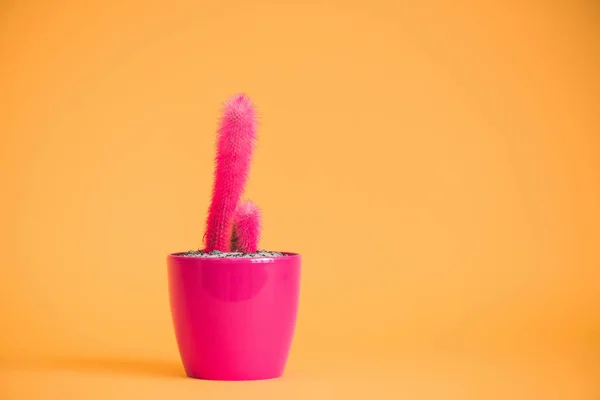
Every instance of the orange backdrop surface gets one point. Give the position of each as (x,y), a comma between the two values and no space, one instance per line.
(435,163)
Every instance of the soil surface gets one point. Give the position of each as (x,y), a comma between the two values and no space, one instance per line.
(233,254)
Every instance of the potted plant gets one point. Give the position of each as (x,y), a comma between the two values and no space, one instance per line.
(234,306)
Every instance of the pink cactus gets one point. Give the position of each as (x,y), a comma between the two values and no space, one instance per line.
(235,144)
(246,228)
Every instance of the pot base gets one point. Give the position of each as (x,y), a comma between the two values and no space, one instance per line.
(231,378)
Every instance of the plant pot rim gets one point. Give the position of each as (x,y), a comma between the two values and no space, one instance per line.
(287,255)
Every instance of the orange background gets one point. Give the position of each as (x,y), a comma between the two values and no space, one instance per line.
(436,164)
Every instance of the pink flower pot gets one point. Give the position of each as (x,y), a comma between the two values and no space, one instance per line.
(234,318)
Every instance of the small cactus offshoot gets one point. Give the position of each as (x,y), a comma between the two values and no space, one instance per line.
(246,228)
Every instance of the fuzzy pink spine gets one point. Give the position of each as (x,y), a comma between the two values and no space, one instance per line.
(247,227)
(235,144)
